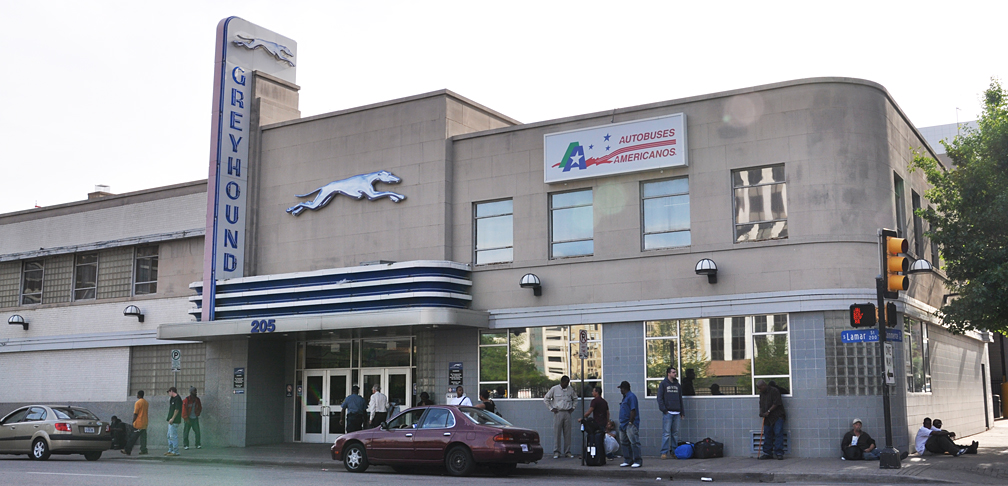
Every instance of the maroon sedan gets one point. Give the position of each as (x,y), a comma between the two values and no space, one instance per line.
(458,437)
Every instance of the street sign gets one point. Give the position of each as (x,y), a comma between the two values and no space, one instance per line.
(870,336)
(890,375)
(455,373)
(583,337)
(176,360)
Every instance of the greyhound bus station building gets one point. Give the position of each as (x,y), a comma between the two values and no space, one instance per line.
(427,241)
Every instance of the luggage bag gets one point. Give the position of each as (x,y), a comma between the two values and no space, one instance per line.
(594,449)
(708,448)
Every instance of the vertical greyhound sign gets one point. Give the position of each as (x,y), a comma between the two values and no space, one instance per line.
(242,47)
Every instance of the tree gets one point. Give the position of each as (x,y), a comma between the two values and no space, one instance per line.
(969,220)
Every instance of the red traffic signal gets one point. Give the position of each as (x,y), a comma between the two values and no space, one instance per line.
(862,315)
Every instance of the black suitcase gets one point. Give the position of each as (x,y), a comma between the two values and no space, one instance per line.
(594,449)
(708,448)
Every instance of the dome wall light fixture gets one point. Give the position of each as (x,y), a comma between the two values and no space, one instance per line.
(920,266)
(531,281)
(133,311)
(17,320)
(707,267)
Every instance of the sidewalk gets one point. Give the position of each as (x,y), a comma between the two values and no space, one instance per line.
(988,466)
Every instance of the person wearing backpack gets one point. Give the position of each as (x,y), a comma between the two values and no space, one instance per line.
(670,402)
(857,444)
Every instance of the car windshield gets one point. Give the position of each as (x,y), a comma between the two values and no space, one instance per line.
(483,417)
(69,413)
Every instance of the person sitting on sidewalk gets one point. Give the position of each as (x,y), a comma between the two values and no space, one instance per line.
(857,444)
(941,442)
(922,435)
(611,444)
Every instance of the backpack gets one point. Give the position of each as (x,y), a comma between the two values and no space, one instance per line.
(708,448)
(853,453)
(684,451)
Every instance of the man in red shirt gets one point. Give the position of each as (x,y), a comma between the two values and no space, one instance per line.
(191,410)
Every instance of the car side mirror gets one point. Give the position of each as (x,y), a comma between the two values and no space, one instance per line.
(384,425)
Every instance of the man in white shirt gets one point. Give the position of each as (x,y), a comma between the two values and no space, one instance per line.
(460,398)
(378,406)
(560,400)
(922,435)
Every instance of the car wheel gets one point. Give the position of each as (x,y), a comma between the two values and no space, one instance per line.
(355,459)
(40,450)
(92,456)
(459,461)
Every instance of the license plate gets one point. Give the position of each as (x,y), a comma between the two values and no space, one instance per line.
(89,430)
(524,447)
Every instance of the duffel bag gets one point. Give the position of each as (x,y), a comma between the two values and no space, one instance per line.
(684,451)
(708,448)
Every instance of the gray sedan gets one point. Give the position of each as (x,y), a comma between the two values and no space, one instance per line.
(42,430)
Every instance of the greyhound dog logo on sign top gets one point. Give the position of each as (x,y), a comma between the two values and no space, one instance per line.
(356,187)
(281,52)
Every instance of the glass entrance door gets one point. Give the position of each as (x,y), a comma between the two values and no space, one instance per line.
(395,383)
(324,391)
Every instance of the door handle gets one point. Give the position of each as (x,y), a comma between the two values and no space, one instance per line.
(447,434)
(409,435)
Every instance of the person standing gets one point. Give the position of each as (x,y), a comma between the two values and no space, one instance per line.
(425,399)
(378,406)
(488,403)
(353,410)
(139,431)
(670,402)
(460,399)
(857,444)
(560,400)
(629,427)
(597,416)
(772,410)
(191,410)
(174,419)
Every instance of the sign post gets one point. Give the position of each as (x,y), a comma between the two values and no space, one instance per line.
(176,364)
(583,353)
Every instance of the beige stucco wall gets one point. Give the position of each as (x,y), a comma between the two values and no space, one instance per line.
(839,140)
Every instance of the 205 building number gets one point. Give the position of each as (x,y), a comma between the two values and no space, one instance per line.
(264,325)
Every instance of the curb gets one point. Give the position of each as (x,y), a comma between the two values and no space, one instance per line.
(606,471)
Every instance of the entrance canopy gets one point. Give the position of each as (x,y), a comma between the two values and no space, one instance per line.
(410,316)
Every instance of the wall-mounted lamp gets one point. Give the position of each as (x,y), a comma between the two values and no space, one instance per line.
(531,281)
(920,266)
(133,311)
(709,268)
(18,320)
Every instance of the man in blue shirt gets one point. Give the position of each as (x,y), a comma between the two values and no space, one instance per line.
(629,427)
(353,410)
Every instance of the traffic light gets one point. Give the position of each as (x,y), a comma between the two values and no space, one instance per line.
(862,315)
(896,266)
(890,314)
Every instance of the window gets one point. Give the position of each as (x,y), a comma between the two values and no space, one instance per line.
(666,213)
(86,276)
(760,203)
(527,362)
(145,276)
(494,232)
(407,420)
(572,224)
(698,349)
(31,282)
(918,226)
(438,418)
(900,206)
(934,252)
(918,358)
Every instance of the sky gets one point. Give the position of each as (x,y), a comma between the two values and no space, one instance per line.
(120,92)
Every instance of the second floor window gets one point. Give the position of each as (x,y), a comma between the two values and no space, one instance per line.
(666,213)
(494,232)
(86,275)
(145,270)
(760,203)
(572,224)
(31,282)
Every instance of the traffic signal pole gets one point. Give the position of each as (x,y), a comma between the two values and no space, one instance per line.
(890,456)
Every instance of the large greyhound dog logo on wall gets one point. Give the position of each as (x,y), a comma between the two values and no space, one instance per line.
(282,53)
(356,187)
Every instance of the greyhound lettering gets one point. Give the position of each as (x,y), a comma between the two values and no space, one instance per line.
(356,187)
(280,52)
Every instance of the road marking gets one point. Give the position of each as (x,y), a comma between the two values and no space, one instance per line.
(91,475)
